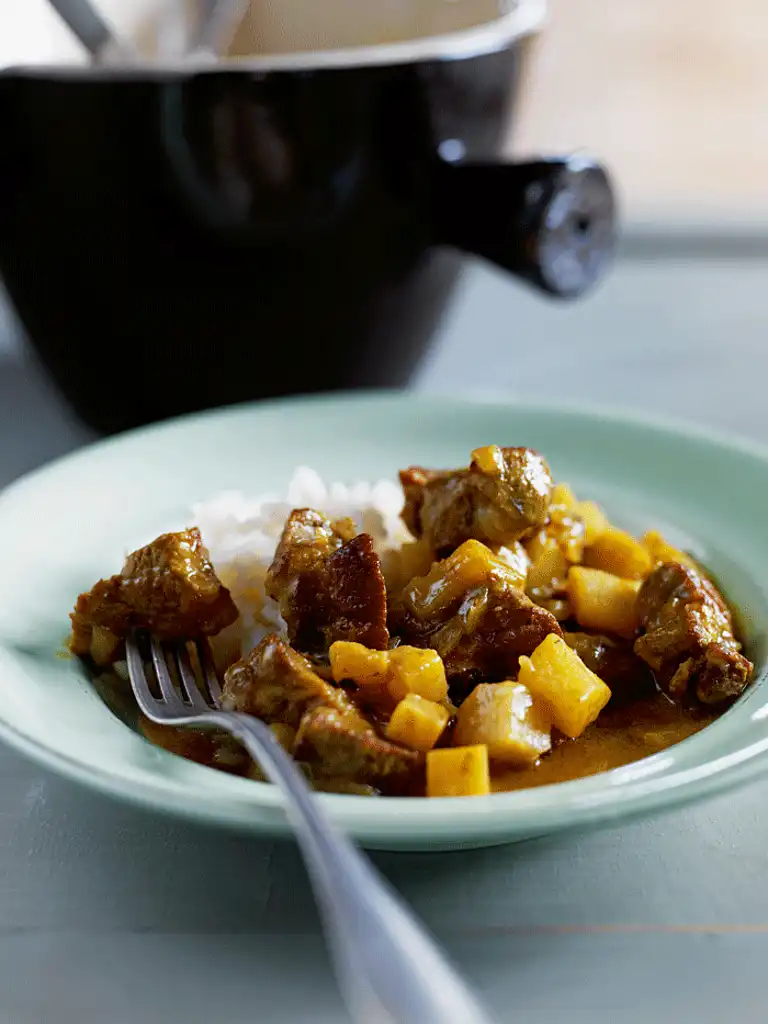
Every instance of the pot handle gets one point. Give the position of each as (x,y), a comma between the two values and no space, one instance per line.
(550,222)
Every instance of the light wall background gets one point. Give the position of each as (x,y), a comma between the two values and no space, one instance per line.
(672,93)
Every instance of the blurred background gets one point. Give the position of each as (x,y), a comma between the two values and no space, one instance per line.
(673,97)
(671,93)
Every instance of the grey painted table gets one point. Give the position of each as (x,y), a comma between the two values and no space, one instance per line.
(104,910)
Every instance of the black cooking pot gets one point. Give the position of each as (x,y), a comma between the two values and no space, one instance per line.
(178,238)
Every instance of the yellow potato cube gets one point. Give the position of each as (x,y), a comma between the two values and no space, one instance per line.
(602,601)
(618,552)
(563,497)
(549,570)
(594,519)
(570,694)
(354,661)
(489,460)
(660,551)
(458,771)
(570,537)
(516,557)
(565,531)
(537,545)
(503,717)
(417,723)
(416,670)
(470,565)
(397,672)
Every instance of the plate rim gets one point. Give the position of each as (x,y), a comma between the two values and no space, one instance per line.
(662,423)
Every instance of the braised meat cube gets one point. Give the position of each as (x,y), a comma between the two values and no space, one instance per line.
(100,613)
(615,662)
(277,684)
(307,541)
(472,610)
(344,745)
(502,496)
(328,584)
(490,632)
(688,639)
(168,587)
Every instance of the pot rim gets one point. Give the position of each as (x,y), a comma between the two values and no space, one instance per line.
(524,18)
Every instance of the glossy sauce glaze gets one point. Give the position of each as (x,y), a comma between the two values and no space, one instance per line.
(618,737)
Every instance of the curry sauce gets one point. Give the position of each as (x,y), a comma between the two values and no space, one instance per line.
(616,738)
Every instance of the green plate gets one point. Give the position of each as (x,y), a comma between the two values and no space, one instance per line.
(72,522)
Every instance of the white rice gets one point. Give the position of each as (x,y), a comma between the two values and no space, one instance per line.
(241,534)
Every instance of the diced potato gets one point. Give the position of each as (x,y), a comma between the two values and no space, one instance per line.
(104,644)
(594,519)
(458,771)
(570,537)
(660,551)
(470,565)
(618,552)
(417,723)
(345,527)
(563,497)
(570,694)
(549,570)
(398,672)
(516,557)
(565,531)
(351,660)
(602,601)
(416,670)
(538,544)
(489,460)
(503,717)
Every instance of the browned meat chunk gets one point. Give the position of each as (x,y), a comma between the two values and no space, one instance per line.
(168,587)
(502,496)
(328,584)
(489,633)
(689,640)
(277,684)
(627,676)
(472,611)
(345,745)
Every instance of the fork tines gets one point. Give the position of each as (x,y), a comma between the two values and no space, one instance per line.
(184,674)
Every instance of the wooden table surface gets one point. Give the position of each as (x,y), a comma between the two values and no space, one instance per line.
(111,914)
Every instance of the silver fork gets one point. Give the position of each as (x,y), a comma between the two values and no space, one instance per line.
(389,970)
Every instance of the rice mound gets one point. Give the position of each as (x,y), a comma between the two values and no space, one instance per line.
(241,534)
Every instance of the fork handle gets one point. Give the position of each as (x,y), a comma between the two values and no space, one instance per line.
(389,969)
